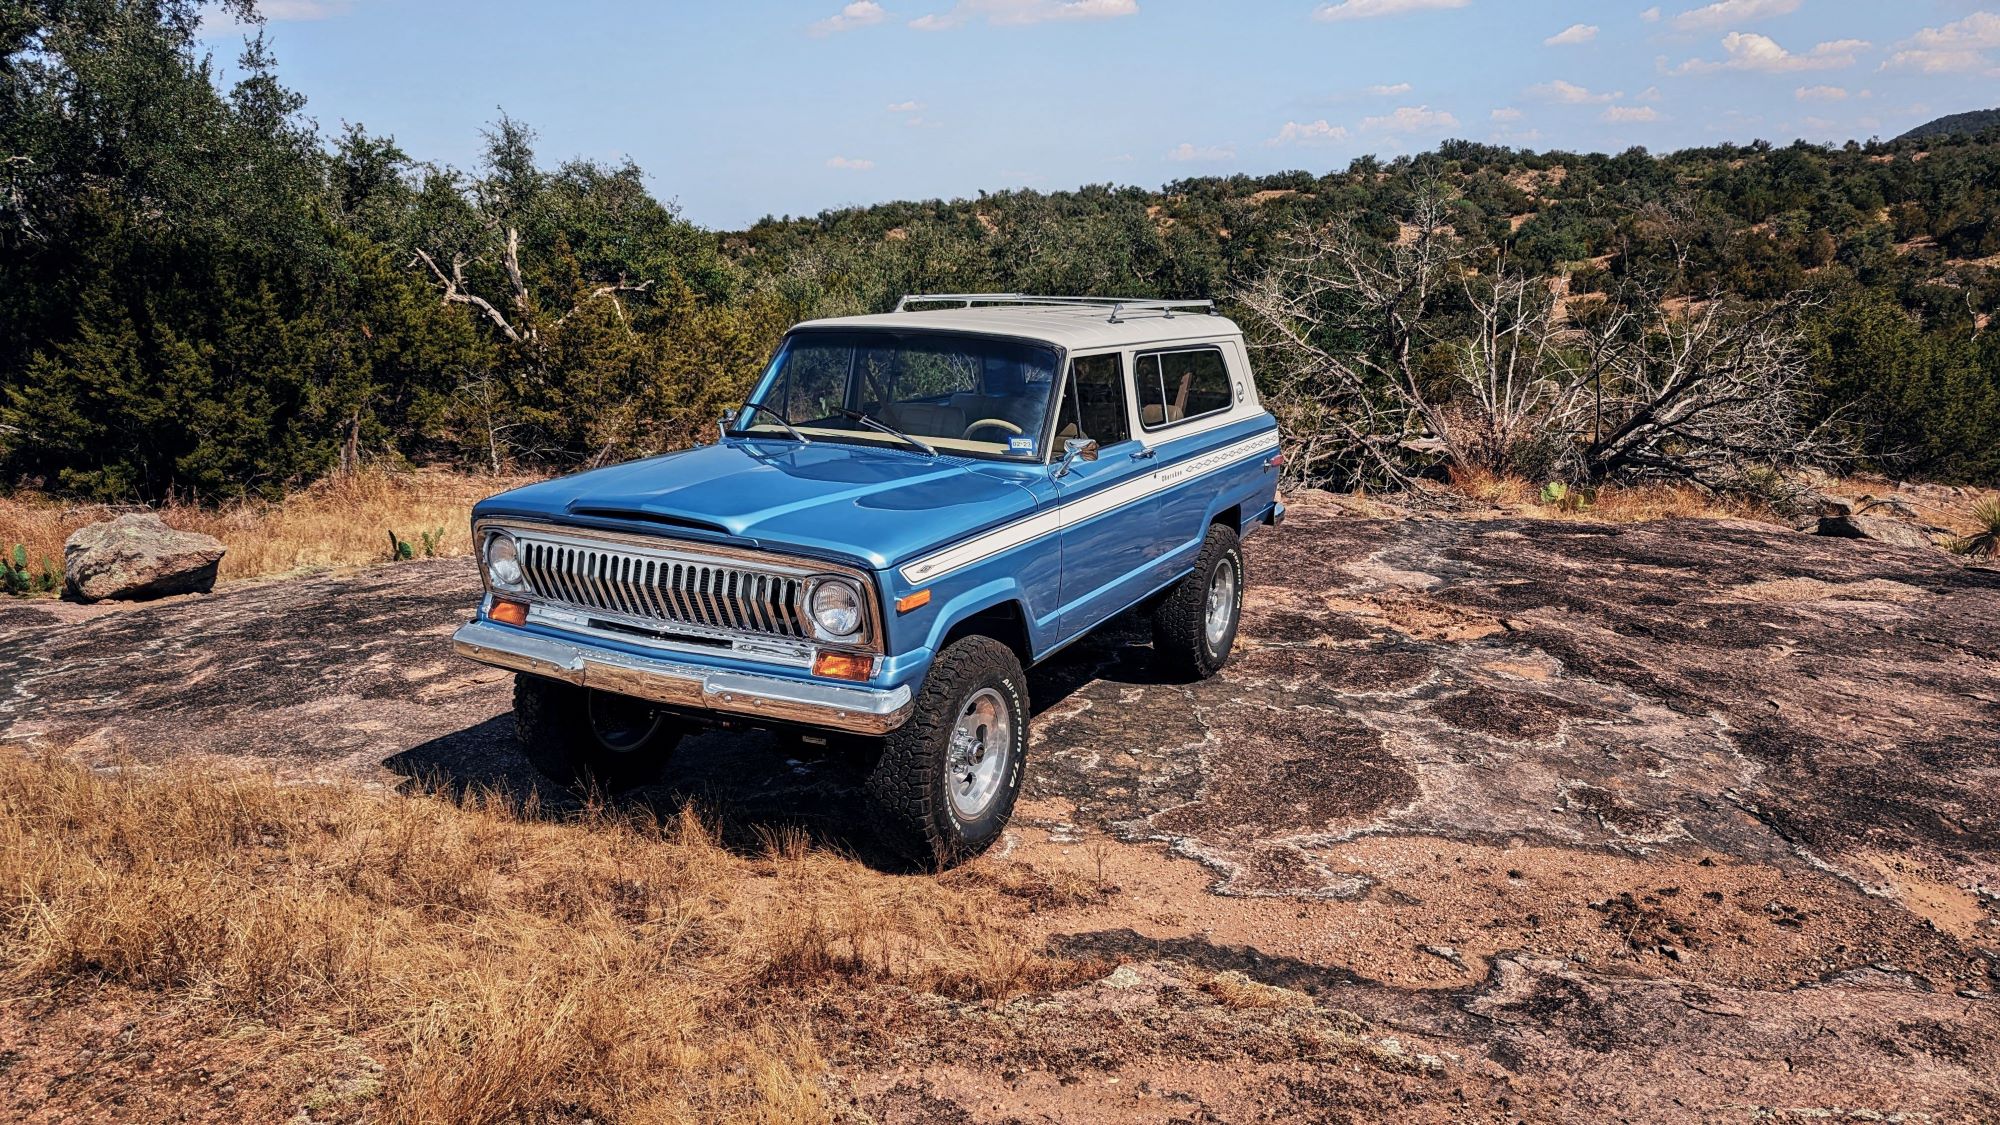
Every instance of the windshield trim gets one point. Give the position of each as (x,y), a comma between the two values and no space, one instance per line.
(873,440)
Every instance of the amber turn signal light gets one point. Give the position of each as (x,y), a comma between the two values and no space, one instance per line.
(843,666)
(908,602)
(508,613)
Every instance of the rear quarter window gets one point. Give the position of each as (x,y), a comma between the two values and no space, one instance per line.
(1180,386)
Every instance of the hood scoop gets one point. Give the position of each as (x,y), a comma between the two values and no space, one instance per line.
(640,515)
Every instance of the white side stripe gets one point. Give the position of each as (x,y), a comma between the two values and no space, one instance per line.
(1028,528)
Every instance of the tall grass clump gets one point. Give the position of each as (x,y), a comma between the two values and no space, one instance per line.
(1984,540)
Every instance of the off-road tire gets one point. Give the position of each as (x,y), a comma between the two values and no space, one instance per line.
(1181,644)
(907,796)
(552,727)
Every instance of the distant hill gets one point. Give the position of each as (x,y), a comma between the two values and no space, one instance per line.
(1956,124)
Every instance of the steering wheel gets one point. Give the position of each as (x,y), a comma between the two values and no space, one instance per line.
(1001,423)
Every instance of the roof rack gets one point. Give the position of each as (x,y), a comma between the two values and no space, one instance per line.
(1117,305)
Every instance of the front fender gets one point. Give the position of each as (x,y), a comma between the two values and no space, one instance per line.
(966,604)
(917,636)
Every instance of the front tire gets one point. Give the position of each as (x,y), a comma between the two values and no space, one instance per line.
(946,781)
(1194,627)
(579,737)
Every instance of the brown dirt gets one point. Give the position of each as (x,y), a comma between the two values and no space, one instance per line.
(1500,820)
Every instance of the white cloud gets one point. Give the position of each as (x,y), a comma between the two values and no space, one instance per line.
(851,164)
(1573,35)
(1369,9)
(1186,152)
(1952,49)
(860,13)
(1820,94)
(1410,118)
(906,107)
(1650,15)
(1723,13)
(1625,114)
(1650,94)
(1387,91)
(1506,113)
(1750,51)
(217,23)
(1020,13)
(302,9)
(1308,133)
(1936,62)
(1569,93)
(1979,31)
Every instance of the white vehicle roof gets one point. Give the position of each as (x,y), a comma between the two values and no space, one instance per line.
(1078,324)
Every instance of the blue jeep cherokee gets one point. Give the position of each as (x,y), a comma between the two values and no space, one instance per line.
(911,509)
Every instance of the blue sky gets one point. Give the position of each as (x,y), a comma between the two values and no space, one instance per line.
(739,110)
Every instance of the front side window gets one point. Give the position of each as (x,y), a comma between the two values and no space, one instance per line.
(1093,406)
(1178,386)
(976,396)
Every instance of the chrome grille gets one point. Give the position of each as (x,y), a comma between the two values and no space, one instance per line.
(671,591)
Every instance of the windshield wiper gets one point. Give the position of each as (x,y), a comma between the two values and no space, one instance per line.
(884,427)
(760,408)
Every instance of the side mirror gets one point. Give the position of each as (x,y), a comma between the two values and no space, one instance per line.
(1075,449)
(728,421)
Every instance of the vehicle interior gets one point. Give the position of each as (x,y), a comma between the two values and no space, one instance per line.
(963,394)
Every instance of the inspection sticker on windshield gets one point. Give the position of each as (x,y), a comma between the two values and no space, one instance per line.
(1022,445)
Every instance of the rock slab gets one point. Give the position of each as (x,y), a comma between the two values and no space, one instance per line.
(1878,528)
(138,556)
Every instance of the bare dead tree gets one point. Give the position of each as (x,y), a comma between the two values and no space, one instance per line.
(456,293)
(526,331)
(1706,391)
(1373,375)
(610,292)
(1338,319)
(1515,391)
(485,400)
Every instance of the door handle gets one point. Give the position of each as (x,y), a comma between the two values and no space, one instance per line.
(1145,455)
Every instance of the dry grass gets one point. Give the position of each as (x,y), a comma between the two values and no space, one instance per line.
(496,964)
(1615,504)
(343,521)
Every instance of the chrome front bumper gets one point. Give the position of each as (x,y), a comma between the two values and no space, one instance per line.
(859,710)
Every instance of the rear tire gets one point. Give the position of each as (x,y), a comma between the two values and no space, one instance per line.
(1194,626)
(579,737)
(946,781)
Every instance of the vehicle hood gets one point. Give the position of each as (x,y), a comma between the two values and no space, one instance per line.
(871,506)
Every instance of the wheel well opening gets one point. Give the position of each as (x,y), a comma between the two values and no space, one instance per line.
(1230,517)
(1004,623)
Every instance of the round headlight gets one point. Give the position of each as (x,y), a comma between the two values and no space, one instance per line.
(503,564)
(836,608)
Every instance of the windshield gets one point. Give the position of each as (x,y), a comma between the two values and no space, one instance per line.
(970,395)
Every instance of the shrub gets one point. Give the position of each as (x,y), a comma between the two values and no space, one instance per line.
(17,577)
(1985,542)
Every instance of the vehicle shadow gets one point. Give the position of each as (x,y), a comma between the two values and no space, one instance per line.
(754,786)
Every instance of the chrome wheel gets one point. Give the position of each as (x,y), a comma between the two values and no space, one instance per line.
(622,724)
(1221,603)
(981,751)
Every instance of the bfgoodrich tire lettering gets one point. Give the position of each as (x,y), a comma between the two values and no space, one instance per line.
(1194,626)
(575,739)
(975,688)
